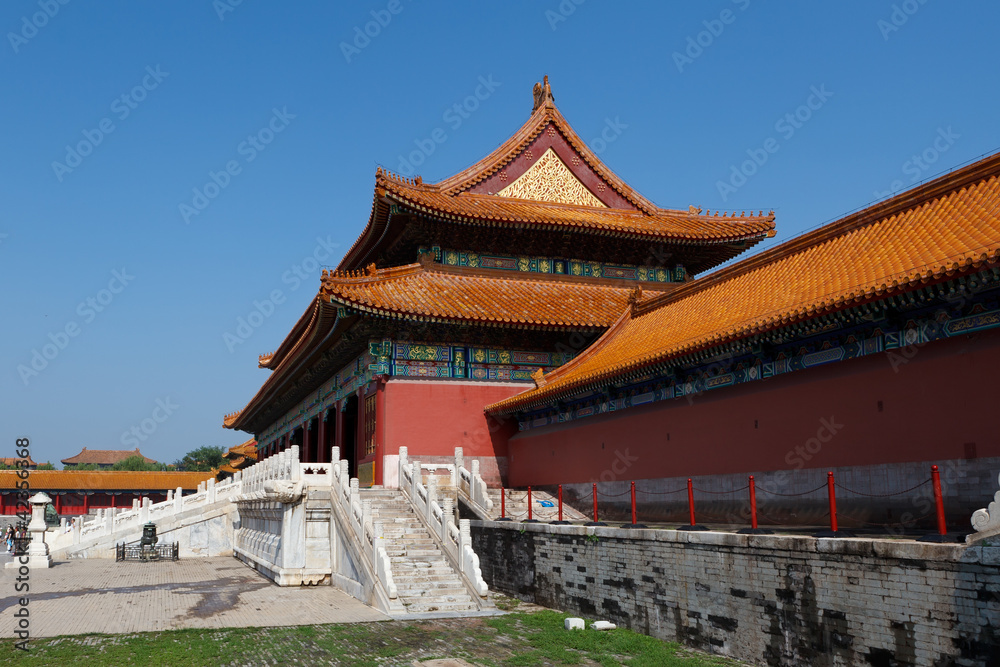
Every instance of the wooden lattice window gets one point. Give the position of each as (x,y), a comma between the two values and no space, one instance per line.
(370,424)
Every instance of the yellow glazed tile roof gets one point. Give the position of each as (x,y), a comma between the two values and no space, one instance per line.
(947,227)
(97,480)
(414,291)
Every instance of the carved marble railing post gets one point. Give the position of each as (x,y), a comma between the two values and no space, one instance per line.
(431,496)
(447,517)
(456,476)
(178,500)
(334,460)
(986,521)
(416,481)
(210,496)
(366,511)
(468,558)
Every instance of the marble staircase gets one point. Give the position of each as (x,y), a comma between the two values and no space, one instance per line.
(425,580)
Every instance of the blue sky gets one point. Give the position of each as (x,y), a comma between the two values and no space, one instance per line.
(128,248)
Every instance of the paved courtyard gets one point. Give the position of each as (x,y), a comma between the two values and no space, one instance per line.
(98,595)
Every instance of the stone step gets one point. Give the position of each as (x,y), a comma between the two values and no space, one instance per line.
(404,564)
(427,558)
(437,589)
(408,538)
(427,606)
(423,545)
(415,552)
(417,543)
(436,596)
(428,577)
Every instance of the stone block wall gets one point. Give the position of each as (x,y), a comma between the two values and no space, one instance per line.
(775,600)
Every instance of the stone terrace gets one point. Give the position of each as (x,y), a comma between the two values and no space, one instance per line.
(100,595)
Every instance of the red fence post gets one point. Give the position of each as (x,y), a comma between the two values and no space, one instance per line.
(942,527)
(530,517)
(596,521)
(833,501)
(939,500)
(560,502)
(753,529)
(691,500)
(692,525)
(560,519)
(635,523)
(503,505)
(633,504)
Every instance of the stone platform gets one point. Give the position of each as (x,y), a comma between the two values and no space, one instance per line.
(100,595)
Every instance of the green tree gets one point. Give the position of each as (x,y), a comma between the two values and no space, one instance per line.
(202,459)
(46,466)
(136,462)
(81,466)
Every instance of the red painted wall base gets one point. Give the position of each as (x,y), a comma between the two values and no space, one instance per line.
(937,403)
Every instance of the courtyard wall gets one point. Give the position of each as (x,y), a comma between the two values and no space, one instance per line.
(766,599)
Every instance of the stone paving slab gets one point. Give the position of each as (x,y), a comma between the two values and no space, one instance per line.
(98,595)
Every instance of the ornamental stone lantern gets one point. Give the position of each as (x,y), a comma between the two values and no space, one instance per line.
(38,550)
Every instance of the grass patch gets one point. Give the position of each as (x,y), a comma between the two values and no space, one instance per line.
(513,640)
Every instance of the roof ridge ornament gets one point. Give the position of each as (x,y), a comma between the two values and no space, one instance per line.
(633,300)
(542,94)
(539,376)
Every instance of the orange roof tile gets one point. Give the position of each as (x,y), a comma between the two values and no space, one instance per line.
(443,294)
(104,456)
(97,480)
(13,460)
(240,456)
(469,198)
(661,225)
(947,227)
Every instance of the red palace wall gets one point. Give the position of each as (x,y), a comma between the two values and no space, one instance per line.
(940,402)
(432,418)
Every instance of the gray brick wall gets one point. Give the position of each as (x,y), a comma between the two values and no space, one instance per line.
(775,600)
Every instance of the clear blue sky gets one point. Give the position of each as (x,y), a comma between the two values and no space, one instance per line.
(898,80)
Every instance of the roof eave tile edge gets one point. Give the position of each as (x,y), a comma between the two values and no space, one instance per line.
(543,396)
(753,236)
(905,201)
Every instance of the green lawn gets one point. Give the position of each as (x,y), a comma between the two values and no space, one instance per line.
(517,639)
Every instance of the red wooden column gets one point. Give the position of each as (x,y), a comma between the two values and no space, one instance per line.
(112,500)
(359,428)
(58,503)
(306,447)
(86,503)
(321,448)
(379,430)
(2,509)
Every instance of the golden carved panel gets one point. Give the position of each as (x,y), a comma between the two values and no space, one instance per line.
(551,180)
